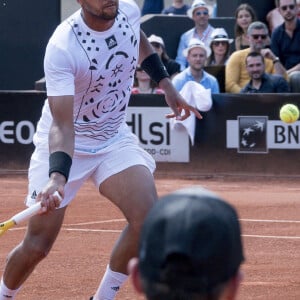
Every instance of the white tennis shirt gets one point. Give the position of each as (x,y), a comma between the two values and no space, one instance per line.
(98,69)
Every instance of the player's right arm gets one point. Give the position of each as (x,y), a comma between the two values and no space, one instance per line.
(61,135)
(59,67)
(61,148)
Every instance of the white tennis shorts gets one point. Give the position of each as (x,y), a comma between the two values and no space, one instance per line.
(98,166)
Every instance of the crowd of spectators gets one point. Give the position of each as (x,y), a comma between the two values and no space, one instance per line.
(277,41)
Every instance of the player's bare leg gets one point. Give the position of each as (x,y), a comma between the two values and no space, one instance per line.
(41,233)
(133,191)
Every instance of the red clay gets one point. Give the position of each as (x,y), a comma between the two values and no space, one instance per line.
(269,211)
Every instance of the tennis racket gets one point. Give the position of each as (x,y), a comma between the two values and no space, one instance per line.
(23,216)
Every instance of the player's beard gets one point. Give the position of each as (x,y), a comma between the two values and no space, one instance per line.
(108,12)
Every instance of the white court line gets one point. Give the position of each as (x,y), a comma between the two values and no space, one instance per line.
(270,221)
(96,222)
(119,231)
(271,236)
(75,229)
(124,220)
(93,230)
(64,227)
(244,235)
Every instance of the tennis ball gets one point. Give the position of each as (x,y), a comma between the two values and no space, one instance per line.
(289,113)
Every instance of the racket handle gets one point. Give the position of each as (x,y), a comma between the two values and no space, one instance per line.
(30,211)
(27,213)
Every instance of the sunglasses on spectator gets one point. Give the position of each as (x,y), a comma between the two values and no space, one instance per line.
(139,69)
(217,43)
(199,13)
(257,36)
(155,44)
(285,7)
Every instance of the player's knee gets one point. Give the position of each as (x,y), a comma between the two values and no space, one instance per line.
(37,250)
(40,252)
(137,217)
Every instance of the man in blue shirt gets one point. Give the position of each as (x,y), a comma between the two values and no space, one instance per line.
(285,42)
(196,55)
(261,82)
(199,12)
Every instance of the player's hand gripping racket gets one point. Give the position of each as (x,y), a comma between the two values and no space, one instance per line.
(23,216)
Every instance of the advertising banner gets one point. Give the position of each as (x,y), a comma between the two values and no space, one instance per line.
(156,136)
(240,132)
(19,113)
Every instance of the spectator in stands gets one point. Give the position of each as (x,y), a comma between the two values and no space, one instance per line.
(196,54)
(220,47)
(236,75)
(286,42)
(274,17)
(178,7)
(199,12)
(158,44)
(261,82)
(143,83)
(152,7)
(244,16)
(190,248)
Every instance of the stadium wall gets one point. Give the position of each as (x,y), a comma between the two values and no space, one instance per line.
(240,135)
(25,27)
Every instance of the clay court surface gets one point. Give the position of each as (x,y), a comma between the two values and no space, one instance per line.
(269,210)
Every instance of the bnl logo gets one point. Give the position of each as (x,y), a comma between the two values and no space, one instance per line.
(252,134)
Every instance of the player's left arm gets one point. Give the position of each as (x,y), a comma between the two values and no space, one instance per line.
(153,65)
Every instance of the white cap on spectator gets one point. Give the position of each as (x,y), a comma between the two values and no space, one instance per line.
(156,39)
(220,34)
(195,43)
(197,4)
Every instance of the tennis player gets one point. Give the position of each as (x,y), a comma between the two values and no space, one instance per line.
(89,66)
